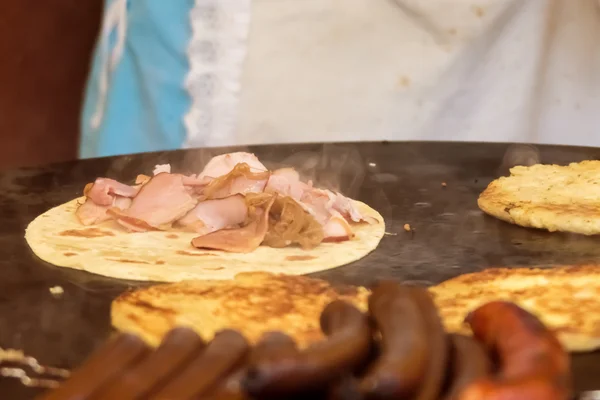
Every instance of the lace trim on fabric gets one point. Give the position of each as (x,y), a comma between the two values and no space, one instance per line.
(216,54)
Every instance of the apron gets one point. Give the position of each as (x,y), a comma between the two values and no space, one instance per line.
(205,73)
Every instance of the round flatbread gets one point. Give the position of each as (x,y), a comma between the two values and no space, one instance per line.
(253,303)
(107,249)
(552,197)
(566,299)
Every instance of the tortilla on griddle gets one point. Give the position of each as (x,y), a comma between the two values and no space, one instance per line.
(566,299)
(552,197)
(107,249)
(253,303)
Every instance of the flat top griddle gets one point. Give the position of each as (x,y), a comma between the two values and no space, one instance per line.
(431,186)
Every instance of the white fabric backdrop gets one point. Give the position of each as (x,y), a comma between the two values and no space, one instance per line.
(481,70)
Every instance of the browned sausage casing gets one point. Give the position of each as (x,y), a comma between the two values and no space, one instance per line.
(178,347)
(533,363)
(404,357)
(223,354)
(469,362)
(103,367)
(439,347)
(346,348)
(271,344)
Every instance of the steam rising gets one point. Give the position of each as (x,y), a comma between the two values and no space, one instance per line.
(521,154)
(337,168)
(334,167)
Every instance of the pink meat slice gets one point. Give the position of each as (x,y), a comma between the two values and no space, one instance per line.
(286,182)
(240,240)
(213,215)
(224,164)
(346,207)
(161,201)
(103,190)
(90,213)
(240,180)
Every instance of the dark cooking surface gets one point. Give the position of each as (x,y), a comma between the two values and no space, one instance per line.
(401,180)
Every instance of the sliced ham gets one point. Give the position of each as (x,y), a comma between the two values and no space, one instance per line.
(347,208)
(286,182)
(240,180)
(161,201)
(323,205)
(225,163)
(240,240)
(90,213)
(227,204)
(337,229)
(194,181)
(318,204)
(103,191)
(213,215)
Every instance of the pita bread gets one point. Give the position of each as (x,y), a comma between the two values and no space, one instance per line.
(107,249)
(551,197)
(566,299)
(253,303)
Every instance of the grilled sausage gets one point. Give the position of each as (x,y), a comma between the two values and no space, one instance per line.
(222,355)
(178,348)
(271,344)
(439,347)
(347,388)
(346,348)
(101,368)
(404,356)
(532,388)
(533,363)
(229,388)
(469,363)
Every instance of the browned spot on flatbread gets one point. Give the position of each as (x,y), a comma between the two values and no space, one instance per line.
(152,307)
(159,262)
(69,254)
(213,268)
(336,239)
(300,258)
(126,260)
(172,236)
(135,318)
(87,233)
(189,253)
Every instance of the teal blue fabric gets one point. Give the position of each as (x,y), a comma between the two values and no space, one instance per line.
(146,99)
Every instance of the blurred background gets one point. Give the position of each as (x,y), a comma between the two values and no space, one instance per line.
(42,77)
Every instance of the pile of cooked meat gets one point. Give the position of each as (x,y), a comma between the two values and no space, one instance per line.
(235,204)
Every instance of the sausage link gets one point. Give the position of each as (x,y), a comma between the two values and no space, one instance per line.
(347,388)
(271,344)
(222,355)
(404,357)
(347,346)
(533,363)
(101,368)
(178,348)
(229,388)
(530,388)
(439,347)
(469,362)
